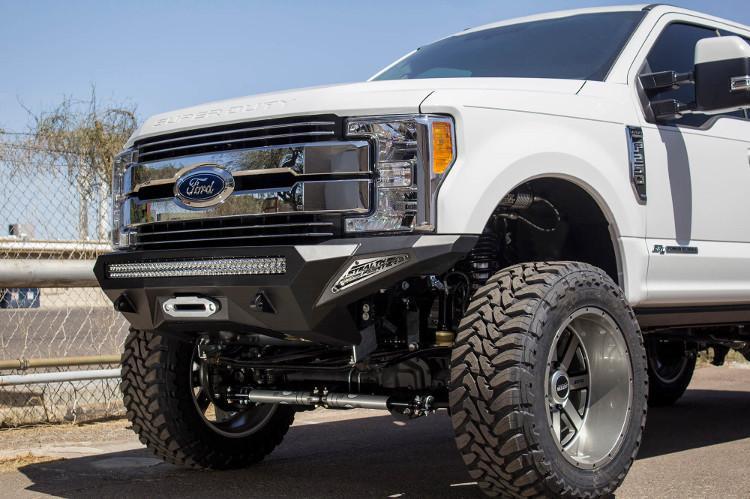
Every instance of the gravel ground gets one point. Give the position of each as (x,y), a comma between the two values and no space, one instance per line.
(37,439)
(695,449)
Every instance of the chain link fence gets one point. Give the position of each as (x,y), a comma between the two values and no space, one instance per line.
(52,219)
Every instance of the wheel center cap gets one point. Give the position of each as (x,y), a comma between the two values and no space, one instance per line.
(560,387)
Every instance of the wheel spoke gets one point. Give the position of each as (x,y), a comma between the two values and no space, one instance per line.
(573,416)
(579,382)
(222,415)
(556,423)
(570,350)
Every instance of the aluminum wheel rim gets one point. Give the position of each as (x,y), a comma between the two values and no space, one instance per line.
(588,388)
(227,421)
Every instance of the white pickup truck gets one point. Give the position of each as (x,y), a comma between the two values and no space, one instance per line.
(534,224)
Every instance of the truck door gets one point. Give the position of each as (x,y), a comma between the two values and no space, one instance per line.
(698,186)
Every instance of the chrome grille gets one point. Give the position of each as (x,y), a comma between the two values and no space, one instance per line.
(322,177)
(239,136)
(293,181)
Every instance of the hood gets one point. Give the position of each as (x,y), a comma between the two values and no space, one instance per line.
(354,99)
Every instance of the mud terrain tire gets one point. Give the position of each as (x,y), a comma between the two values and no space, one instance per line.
(498,398)
(159,404)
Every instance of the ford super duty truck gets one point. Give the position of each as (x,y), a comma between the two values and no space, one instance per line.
(534,224)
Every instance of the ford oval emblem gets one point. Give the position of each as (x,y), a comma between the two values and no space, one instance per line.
(202,186)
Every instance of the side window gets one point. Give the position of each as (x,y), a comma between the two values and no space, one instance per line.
(674,50)
(723,32)
(746,113)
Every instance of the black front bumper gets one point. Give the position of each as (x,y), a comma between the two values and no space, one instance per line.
(301,301)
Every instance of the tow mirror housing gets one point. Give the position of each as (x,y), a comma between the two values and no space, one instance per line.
(722,75)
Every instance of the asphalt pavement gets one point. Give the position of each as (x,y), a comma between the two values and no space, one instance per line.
(698,448)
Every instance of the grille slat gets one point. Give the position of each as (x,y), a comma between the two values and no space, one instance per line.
(324,235)
(250,230)
(241,142)
(239,135)
(246,130)
(242,227)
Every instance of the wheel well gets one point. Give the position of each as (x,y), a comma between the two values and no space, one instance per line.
(548,219)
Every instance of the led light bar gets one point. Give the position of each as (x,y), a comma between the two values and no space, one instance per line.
(194,268)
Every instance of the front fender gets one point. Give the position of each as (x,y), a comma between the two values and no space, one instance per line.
(500,149)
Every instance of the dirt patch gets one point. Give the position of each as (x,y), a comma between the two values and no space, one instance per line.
(8,464)
(82,433)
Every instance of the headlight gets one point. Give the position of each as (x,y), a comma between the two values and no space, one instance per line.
(119,171)
(412,154)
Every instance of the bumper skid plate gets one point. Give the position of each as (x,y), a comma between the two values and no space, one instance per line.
(301,290)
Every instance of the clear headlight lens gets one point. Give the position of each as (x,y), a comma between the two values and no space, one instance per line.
(119,170)
(412,154)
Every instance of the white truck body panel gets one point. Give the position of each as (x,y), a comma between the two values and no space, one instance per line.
(512,130)
(697,181)
(353,99)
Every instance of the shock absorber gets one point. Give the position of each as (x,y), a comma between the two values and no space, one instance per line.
(484,259)
(517,200)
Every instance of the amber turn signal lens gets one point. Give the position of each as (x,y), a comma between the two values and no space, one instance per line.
(442,146)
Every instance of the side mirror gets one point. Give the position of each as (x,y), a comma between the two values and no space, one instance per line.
(722,75)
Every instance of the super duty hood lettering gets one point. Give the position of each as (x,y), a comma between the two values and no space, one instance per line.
(356,99)
(218,112)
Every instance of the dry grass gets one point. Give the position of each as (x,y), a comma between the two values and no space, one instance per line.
(733,357)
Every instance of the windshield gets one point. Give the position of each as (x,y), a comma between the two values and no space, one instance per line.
(578,47)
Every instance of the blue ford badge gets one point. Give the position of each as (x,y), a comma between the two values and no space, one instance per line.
(203,185)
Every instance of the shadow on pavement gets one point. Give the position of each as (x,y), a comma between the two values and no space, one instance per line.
(699,419)
(371,457)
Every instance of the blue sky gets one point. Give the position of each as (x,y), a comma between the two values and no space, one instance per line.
(163,55)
